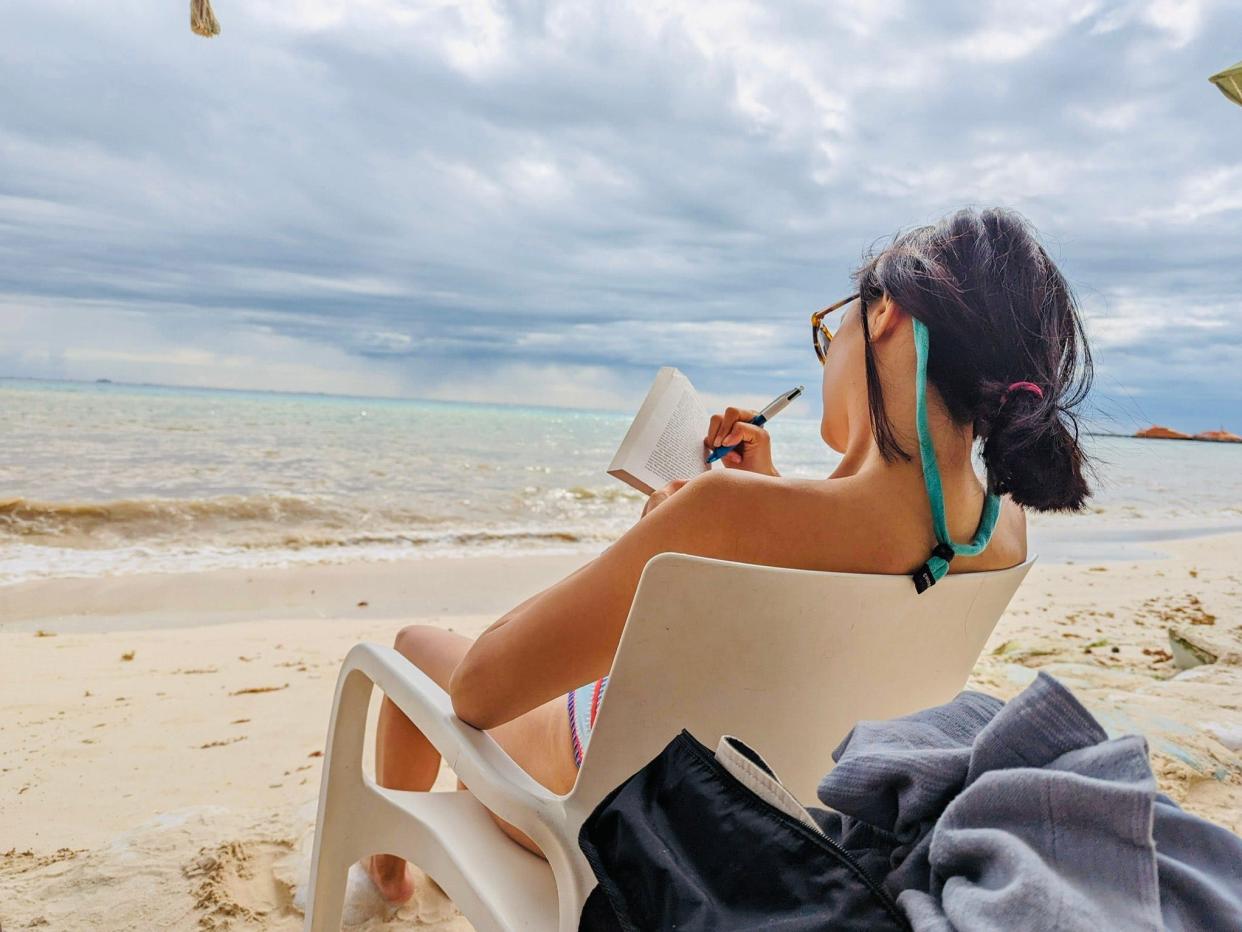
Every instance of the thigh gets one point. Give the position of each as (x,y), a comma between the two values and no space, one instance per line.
(539,743)
(538,740)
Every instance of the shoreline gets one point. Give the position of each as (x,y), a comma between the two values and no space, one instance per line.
(171,598)
(162,746)
(449,585)
(1111,542)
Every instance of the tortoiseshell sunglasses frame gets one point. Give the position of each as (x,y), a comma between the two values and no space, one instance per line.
(819,327)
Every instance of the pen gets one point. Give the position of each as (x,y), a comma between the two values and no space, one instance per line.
(776,406)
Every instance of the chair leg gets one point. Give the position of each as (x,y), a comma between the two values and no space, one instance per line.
(342,798)
(325,901)
(574,881)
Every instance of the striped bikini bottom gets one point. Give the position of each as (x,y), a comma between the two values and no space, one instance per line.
(583,707)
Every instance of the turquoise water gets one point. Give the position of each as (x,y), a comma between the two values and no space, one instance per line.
(103,478)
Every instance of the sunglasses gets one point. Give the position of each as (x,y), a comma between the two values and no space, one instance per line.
(821,335)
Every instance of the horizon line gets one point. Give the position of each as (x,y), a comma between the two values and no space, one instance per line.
(303,393)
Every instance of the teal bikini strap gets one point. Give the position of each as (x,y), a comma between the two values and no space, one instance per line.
(938,563)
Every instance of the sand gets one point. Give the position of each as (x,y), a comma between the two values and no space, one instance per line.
(159,749)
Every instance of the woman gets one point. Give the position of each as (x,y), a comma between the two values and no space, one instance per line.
(972,317)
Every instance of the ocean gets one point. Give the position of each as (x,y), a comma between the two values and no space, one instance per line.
(106,479)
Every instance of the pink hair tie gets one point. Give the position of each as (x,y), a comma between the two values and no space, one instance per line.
(1022,387)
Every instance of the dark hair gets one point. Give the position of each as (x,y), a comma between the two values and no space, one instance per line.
(998,311)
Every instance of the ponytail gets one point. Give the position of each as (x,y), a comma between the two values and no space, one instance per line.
(1008,349)
(1030,449)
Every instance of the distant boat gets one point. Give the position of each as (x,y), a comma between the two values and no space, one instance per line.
(104,381)
(1219,436)
(1157,432)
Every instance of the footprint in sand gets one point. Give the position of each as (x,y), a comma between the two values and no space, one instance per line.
(236,880)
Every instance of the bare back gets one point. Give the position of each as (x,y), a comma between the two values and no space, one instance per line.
(567,634)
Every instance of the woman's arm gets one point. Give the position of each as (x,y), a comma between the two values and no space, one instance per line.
(566,636)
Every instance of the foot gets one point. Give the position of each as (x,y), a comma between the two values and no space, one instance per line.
(391,876)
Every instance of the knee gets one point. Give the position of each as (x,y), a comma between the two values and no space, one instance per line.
(412,641)
(433,650)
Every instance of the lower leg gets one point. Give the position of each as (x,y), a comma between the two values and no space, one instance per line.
(537,741)
(404,758)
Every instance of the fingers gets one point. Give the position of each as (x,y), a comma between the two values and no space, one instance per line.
(659,496)
(742,432)
(729,423)
(747,442)
(713,428)
(720,426)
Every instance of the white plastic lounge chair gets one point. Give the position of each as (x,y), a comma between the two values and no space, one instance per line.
(787,660)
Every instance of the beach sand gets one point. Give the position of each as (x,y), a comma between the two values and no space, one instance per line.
(159,749)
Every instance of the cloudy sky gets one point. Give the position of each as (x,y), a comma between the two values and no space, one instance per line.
(540,202)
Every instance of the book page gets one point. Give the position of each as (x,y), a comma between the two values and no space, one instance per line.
(679,452)
(665,441)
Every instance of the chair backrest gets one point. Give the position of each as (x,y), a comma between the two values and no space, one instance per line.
(787,660)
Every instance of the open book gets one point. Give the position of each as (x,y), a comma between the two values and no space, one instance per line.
(665,442)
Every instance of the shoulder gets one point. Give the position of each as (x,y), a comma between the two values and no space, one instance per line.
(1008,546)
(752,518)
(728,491)
(739,485)
(1009,537)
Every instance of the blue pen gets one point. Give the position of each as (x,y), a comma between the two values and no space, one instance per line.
(776,407)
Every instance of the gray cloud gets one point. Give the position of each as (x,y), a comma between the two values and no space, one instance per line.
(543,201)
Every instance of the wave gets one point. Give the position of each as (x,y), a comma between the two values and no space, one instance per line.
(454,538)
(62,522)
(609,494)
(41,540)
(23,562)
(267,521)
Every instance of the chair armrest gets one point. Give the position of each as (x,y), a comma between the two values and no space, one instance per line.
(479,762)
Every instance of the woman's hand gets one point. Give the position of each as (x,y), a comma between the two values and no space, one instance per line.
(755,452)
(660,496)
